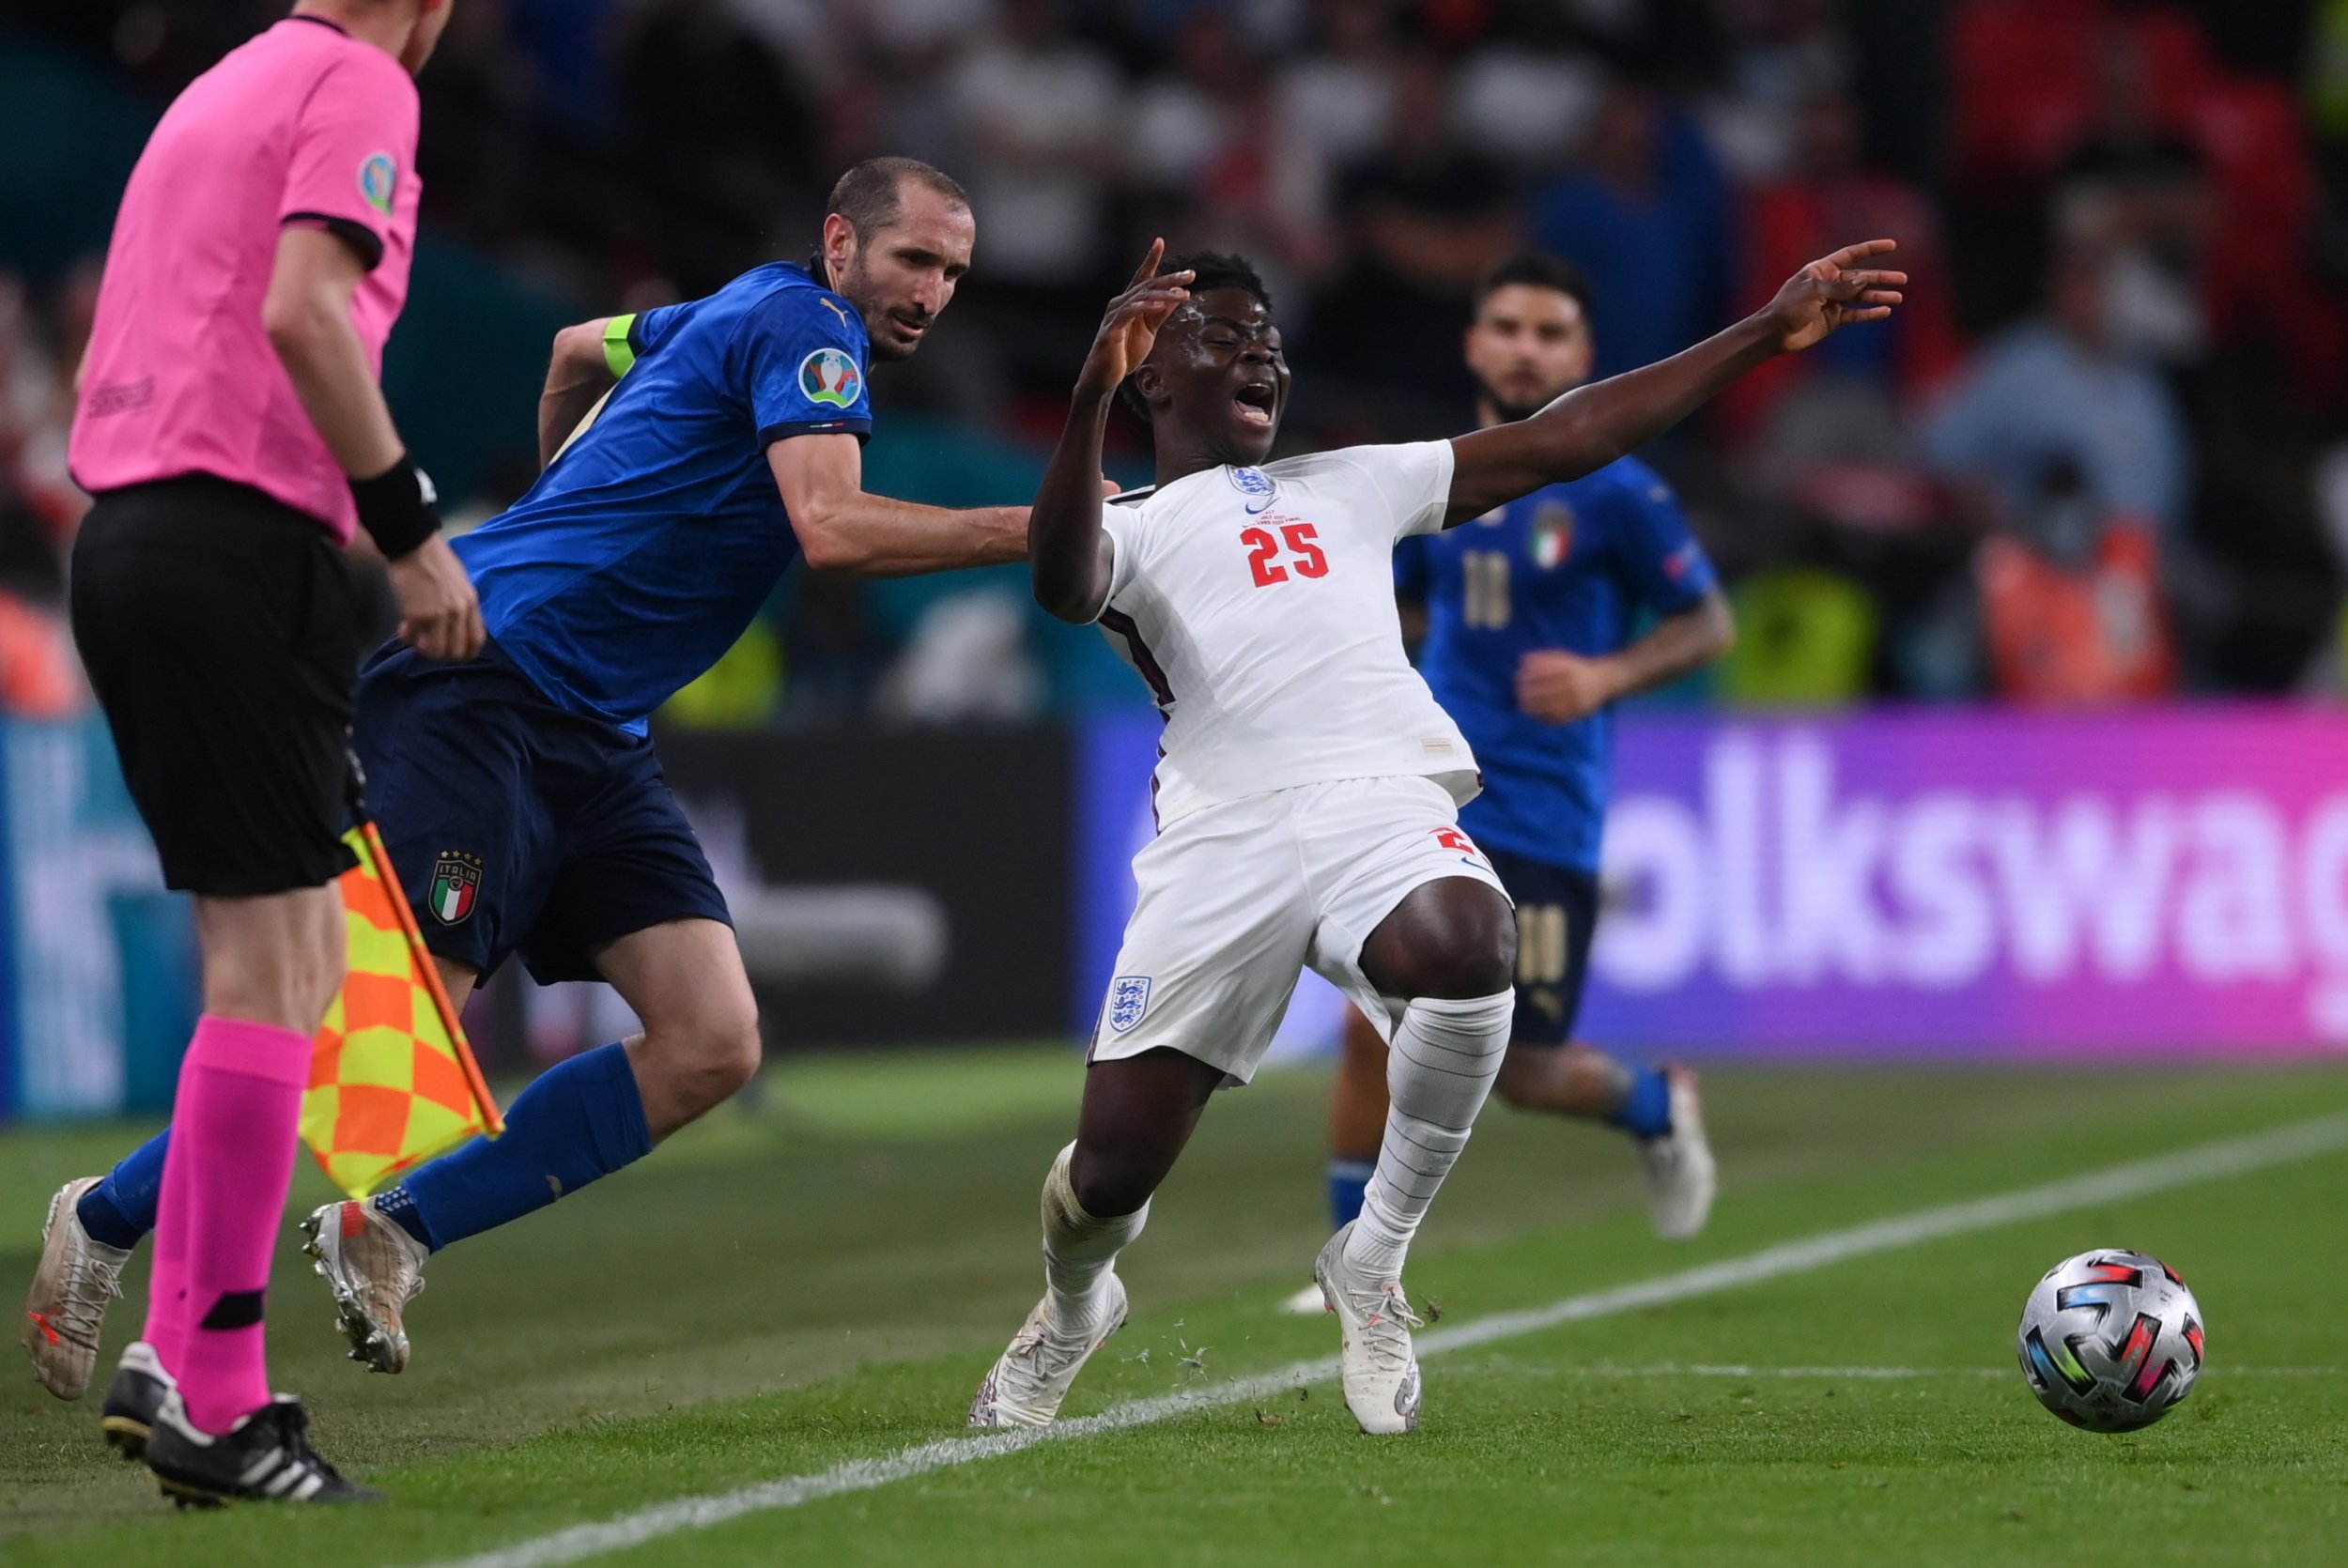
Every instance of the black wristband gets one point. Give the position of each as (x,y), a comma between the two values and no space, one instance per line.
(395,507)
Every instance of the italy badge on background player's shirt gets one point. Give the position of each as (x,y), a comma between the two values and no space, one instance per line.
(1550,539)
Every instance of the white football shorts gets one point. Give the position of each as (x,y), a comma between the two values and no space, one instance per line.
(1237,897)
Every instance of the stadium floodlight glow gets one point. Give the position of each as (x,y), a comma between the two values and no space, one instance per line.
(2112,1340)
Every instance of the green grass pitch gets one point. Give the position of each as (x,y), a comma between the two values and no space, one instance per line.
(820,1275)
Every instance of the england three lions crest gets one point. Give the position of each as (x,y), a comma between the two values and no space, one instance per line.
(1129,998)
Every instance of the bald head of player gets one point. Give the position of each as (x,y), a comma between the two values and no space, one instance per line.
(896,244)
(408,30)
(1215,383)
(1529,342)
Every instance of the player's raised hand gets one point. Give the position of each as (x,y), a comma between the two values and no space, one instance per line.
(1835,291)
(1132,324)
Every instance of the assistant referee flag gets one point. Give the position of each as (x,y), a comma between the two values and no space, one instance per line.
(393,1081)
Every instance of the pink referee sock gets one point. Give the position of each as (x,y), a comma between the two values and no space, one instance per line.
(233,1133)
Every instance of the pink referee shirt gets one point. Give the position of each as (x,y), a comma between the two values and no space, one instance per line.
(304,124)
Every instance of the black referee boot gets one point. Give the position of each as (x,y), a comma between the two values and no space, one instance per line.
(138,1390)
(266,1457)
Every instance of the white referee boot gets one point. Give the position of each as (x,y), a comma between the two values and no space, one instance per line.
(1027,1384)
(1374,1324)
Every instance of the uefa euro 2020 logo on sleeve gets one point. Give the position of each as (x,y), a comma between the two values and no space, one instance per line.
(1129,998)
(379,177)
(830,376)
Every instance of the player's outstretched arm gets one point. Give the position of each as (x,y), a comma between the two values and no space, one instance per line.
(1591,427)
(1071,558)
(842,527)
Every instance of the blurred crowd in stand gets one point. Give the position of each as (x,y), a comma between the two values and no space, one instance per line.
(2102,455)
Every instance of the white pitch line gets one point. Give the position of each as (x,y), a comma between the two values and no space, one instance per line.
(2204,1162)
(1857,1374)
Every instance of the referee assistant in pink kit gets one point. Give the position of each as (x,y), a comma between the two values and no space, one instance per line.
(233,431)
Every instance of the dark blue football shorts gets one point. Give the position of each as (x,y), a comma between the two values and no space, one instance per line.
(1556,915)
(518,825)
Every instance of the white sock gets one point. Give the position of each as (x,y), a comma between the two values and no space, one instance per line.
(1079,1248)
(1439,1072)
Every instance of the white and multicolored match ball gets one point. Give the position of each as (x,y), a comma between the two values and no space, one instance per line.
(2112,1340)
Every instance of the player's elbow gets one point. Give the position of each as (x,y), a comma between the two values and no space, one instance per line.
(1075,603)
(581,347)
(830,542)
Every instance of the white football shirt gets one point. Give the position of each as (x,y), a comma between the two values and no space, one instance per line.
(1259,605)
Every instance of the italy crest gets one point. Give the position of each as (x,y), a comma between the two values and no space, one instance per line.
(1551,538)
(455,883)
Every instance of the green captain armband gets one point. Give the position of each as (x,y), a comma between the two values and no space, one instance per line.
(618,352)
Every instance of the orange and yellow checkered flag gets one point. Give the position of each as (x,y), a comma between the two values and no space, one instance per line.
(391,1080)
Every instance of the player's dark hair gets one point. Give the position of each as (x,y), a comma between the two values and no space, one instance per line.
(1214,269)
(871,194)
(1538,270)
(1218,269)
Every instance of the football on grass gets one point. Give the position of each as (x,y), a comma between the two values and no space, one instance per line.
(2112,1340)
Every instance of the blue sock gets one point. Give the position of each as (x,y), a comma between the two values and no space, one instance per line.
(1348,1180)
(1646,1111)
(580,1119)
(120,1209)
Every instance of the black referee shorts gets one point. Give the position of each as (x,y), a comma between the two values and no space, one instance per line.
(221,631)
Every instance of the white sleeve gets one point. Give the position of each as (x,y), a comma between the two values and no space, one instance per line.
(1124,527)
(1411,481)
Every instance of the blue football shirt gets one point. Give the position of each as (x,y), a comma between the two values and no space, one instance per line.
(643,552)
(1575,566)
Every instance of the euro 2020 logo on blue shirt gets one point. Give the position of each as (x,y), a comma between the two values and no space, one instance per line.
(830,376)
(1129,998)
(1257,485)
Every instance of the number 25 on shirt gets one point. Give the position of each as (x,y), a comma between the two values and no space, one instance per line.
(1301,541)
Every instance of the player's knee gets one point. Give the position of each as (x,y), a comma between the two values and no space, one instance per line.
(732,1052)
(1105,1186)
(1454,939)
(1472,954)
(709,1058)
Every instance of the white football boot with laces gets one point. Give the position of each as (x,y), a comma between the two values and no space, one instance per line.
(1374,1324)
(77,1276)
(375,1268)
(1033,1376)
(1681,1176)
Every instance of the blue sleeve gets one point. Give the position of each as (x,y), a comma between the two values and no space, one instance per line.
(1413,570)
(801,357)
(1667,569)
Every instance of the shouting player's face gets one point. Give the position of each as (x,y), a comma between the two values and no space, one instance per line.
(1218,374)
(1528,347)
(903,275)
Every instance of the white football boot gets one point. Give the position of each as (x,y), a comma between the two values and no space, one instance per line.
(77,1276)
(1374,1324)
(1027,1384)
(375,1268)
(1681,1176)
